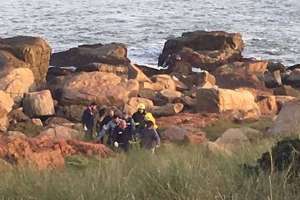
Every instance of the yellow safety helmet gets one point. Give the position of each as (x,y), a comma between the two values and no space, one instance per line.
(141,106)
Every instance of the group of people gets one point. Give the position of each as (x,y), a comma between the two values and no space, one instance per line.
(119,130)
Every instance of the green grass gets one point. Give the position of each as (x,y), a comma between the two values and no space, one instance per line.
(175,173)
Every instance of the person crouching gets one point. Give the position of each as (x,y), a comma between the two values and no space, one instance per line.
(121,136)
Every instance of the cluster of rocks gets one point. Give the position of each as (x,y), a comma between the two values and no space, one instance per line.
(204,76)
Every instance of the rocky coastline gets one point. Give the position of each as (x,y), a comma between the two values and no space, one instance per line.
(205,78)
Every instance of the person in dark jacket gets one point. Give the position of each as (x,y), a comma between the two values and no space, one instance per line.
(139,118)
(130,126)
(150,139)
(88,120)
(109,129)
(121,136)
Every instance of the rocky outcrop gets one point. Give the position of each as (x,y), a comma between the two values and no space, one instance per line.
(16,82)
(37,104)
(113,54)
(43,152)
(102,88)
(220,100)
(287,122)
(241,74)
(25,52)
(201,49)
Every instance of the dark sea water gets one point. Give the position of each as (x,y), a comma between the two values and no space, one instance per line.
(271,28)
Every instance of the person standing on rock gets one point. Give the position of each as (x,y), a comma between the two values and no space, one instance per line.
(88,120)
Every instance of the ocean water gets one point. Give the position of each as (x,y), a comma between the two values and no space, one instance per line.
(270,28)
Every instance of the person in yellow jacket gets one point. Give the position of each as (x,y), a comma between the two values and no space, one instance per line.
(150,117)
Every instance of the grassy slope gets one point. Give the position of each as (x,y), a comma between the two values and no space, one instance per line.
(176,172)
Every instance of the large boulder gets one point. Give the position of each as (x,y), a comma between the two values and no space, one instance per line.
(276,66)
(71,112)
(113,53)
(102,88)
(286,90)
(16,82)
(24,51)
(163,81)
(234,139)
(6,104)
(38,104)
(135,73)
(287,122)
(167,109)
(273,79)
(175,134)
(201,79)
(293,78)
(29,127)
(215,100)
(58,132)
(281,100)
(201,49)
(267,104)
(169,96)
(241,74)
(147,94)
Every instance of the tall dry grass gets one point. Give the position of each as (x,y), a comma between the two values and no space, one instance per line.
(175,173)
